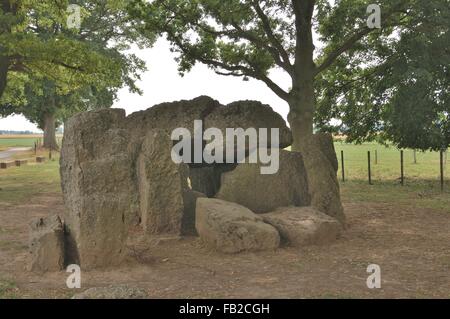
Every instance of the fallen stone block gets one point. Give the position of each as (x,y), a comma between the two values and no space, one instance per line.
(302,226)
(232,228)
(46,244)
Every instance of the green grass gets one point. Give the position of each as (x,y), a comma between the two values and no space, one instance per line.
(7,289)
(6,143)
(18,184)
(421,189)
(422,180)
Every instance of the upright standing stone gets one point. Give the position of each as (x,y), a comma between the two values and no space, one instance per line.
(99,192)
(162,184)
(321,167)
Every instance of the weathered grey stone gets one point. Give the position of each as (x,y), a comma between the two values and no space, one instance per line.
(190,203)
(249,114)
(97,179)
(321,167)
(112,292)
(169,116)
(301,226)
(116,170)
(231,228)
(261,193)
(46,244)
(162,184)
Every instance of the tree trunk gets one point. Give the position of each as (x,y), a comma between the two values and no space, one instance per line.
(301,116)
(6,7)
(50,132)
(4,65)
(301,98)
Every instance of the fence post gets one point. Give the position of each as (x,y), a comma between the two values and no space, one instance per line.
(369,169)
(402,173)
(342,166)
(50,154)
(415,157)
(441,155)
(376,157)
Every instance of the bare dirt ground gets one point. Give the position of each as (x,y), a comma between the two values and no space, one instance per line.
(412,246)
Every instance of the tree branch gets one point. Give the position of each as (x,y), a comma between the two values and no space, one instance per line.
(347,44)
(269,32)
(236,70)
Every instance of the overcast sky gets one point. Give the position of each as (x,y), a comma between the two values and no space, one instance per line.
(161,83)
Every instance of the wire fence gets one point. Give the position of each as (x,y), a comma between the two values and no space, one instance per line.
(383,164)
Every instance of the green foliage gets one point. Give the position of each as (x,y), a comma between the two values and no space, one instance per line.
(38,42)
(395,85)
(59,70)
(372,80)
(232,37)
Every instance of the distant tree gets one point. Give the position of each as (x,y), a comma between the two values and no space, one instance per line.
(247,38)
(49,60)
(48,108)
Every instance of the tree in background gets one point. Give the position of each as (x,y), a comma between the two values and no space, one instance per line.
(58,64)
(394,89)
(48,108)
(247,38)
(25,49)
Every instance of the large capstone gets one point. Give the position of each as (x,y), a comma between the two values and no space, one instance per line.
(171,115)
(249,114)
(97,178)
(46,244)
(231,228)
(263,193)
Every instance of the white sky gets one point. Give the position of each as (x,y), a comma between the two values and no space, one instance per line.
(161,83)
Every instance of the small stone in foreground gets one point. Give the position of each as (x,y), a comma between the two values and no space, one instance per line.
(47,244)
(112,292)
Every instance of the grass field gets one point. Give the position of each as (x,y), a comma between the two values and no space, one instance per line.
(20,183)
(422,186)
(422,180)
(25,141)
(7,141)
